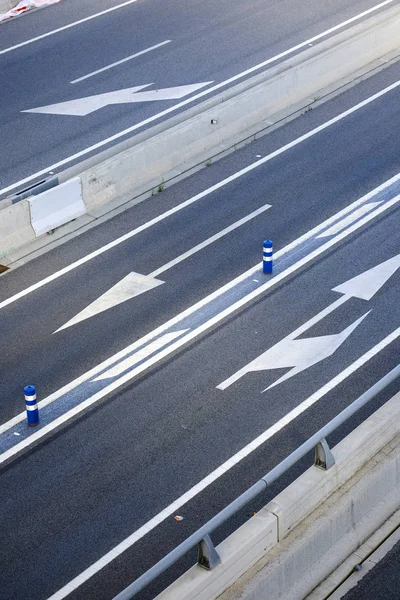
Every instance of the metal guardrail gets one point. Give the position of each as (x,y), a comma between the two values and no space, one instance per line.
(208,556)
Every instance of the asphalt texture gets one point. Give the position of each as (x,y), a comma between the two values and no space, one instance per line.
(82,490)
(209,42)
(334,167)
(382,582)
(108,474)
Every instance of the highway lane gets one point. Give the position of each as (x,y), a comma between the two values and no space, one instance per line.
(50,360)
(89,484)
(101,479)
(191,52)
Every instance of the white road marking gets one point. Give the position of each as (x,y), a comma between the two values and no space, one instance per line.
(351,218)
(175,320)
(367,284)
(302,354)
(257,363)
(221,470)
(186,338)
(137,357)
(201,195)
(45,35)
(135,284)
(210,240)
(81,107)
(120,62)
(192,99)
(130,286)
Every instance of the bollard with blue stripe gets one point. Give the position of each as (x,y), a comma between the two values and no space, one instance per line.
(32,410)
(267,257)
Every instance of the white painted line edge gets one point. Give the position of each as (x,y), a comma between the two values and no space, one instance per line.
(224,468)
(185,102)
(120,62)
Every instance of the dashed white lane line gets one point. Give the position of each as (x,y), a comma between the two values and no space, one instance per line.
(54,31)
(197,197)
(120,62)
(210,240)
(226,466)
(167,111)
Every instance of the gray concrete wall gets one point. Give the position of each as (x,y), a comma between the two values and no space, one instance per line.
(15,227)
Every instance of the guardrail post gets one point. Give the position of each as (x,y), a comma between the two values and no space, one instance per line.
(267,257)
(32,410)
(207,556)
(324,458)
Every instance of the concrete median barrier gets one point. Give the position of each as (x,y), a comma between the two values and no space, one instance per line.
(139,165)
(15,227)
(321,518)
(214,126)
(24,221)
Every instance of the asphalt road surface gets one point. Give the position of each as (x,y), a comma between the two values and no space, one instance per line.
(149,44)
(156,406)
(382,582)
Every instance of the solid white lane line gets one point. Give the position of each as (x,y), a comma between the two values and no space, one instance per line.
(345,222)
(209,241)
(226,466)
(188,100)
(120,62)
(142,354)
(189,336)
(199,196)
(45,35)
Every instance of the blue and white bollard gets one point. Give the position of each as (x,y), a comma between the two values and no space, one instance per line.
(32,410)
(267,257)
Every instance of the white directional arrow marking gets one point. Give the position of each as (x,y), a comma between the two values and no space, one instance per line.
(84,106)
(299,354)
(135,284)
(130,286)
(366,284)
(302,354)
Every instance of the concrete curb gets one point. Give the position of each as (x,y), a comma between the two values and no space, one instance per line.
(321,518)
